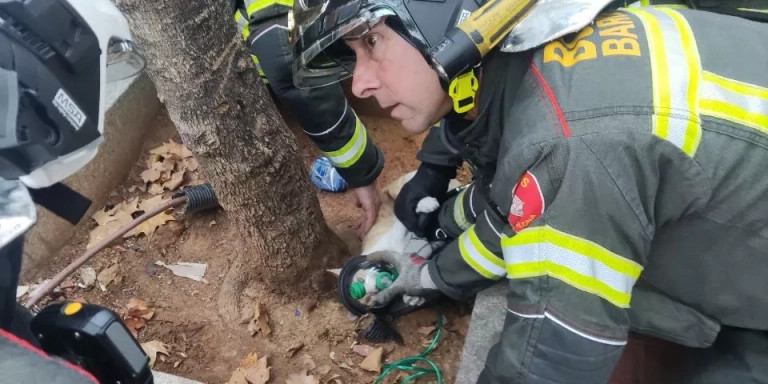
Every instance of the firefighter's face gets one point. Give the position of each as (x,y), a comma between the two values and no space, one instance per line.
(390,69)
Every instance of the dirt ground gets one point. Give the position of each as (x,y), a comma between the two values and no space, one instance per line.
(204,348)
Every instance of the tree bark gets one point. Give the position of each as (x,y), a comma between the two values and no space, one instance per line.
(205,76)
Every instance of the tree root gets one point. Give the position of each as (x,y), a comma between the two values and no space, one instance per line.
(331,253)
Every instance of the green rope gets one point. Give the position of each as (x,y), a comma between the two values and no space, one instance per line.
(409,363)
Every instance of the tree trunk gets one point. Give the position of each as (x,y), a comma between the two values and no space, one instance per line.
(205,76)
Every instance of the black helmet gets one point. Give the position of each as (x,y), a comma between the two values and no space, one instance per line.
(322,58)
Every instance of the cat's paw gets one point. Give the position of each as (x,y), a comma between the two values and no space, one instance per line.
(427,205)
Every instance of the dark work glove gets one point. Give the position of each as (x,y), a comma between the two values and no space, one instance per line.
(429,181)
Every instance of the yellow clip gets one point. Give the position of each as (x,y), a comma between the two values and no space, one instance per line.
(72,308)
(462,90)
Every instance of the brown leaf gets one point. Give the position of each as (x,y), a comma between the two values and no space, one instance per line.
(426,330)
(138,308)
(152,174)
(156,189)
(176,180)
(251,369)
(112,220)
(190,164)
(336,379)
(134,323)
(301,378)
(292,350)
(372,363)
(172,148)
(67,283)
(152,348)
(363,350)
(259,322)
(149,227)
(152,202)
(107,275)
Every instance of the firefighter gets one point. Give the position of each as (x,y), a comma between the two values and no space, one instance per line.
(618,181)
(56,58)
(323,112)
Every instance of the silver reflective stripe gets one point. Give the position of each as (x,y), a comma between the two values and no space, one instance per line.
(581,264)
(352,150)
(735,101)
(676,76)
(477,256)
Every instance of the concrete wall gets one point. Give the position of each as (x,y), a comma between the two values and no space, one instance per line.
(131,104)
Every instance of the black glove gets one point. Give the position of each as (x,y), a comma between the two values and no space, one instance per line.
(429,181)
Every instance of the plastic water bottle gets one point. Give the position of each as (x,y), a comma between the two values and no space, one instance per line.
(325,176)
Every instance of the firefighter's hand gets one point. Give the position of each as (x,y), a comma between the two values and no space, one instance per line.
(412,280)
(369,199)
(429,181)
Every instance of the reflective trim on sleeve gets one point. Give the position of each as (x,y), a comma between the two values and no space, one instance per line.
(479,257)
(253,6)
(242,24)
(676,76)
(580,263)
(565,325)
(338,122)
(735,101)
(458,211)
(352,150)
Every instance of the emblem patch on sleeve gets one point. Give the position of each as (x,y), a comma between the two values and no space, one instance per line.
(527,202)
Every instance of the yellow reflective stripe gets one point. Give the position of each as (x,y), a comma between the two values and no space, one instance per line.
(585,265)
(735,114)
(458,211)
(352,150)
(692,135)
(673,50)
(476,255)
(736,86)
(242,24)
(258,5)
(735,101)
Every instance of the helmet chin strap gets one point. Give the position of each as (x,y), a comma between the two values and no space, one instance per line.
(462,90)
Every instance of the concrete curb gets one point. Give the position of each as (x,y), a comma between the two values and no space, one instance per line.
(167,378)
(131,105)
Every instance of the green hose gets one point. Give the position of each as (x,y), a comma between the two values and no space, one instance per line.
(409,363)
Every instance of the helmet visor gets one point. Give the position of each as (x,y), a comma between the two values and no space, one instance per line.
(321,55)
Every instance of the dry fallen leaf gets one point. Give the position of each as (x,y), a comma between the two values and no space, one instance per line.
(87,277)
(156,189)
(152,202)
(372,363)
(67,283)
(190,164)
(336,379)
(22,290)
(138,308)
(134,324)
(251,369)
(107,275)
(336,271)
(301,378)
(176,180)
(172,148)
(149,227)
(111,220)
(152,348)
(259,322)
(152,174)
(363,350)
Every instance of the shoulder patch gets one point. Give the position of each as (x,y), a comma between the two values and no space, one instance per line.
(527,202)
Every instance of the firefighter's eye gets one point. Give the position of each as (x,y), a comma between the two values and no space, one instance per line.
(371,40)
